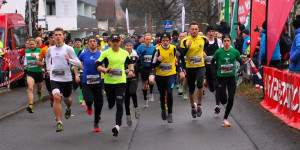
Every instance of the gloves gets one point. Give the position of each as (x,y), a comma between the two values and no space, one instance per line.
(144,52)
(240,72)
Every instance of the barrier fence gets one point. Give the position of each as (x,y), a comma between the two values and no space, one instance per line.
(282,95)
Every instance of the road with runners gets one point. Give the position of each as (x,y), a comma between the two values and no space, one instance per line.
(252,127)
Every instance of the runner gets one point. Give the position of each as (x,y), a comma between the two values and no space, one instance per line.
(225,74)
(34,73)
(192,47)
(42,62)
(104,42)
(132,83)
(210,48)
(92,87)
(115,79)
(145,53)
(61,56)
(164,69)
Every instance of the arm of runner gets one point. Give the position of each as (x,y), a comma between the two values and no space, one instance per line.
(48,60)
(130,66)
(73,59)
(156,59)
(77,79)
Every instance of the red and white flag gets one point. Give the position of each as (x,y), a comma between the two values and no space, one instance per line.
(1,2)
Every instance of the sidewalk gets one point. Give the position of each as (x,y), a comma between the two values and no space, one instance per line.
(16,100)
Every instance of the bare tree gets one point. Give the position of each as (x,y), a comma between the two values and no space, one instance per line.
(34,16)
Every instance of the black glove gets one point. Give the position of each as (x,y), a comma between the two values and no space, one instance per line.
(240,72)
(144,52)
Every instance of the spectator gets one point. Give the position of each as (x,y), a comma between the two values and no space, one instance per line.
(295,50)
(275,60)
(239,41)
(246,37)
(224,27)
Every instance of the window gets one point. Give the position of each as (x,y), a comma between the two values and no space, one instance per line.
(9,40)
(20,36)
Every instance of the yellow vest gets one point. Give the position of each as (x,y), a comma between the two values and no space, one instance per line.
(1,49)
(167,66)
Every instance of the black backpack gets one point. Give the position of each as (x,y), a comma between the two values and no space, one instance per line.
(285,43)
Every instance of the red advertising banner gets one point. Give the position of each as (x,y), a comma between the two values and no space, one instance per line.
(244,9)
(278,12)
(282,95)
(258,16)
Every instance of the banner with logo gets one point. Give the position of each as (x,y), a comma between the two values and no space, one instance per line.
(282,95)
(278,11)
(258,16)
(243,12)
(66,8)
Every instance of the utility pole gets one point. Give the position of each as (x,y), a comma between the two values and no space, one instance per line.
(146,26)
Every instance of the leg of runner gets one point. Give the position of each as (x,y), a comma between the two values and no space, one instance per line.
(200,78)
(57,109)
(151,98)
(40,90)
(185,88)
(98,104)
(170,86)
(231,87)
(161,83)
(30,83)
(127,103)
(191,78)
(89,97)
(119,98)
(48,87)
(145,85)
(110,94)
(132,92)
(181,80)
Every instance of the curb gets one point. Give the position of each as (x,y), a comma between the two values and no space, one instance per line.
(22,108)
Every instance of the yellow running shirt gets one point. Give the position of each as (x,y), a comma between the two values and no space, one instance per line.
(194,55)
(167,66)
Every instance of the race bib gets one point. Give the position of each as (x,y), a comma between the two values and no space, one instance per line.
(208,60)
(147,58)
(165,67)
(32,63)
(92,79)
(58,72)
(227,68)
(116,73)
(195,60)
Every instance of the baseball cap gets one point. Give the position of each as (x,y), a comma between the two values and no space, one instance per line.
(115,37)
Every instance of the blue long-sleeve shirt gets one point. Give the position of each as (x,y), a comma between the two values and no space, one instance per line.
(295,53)
(245,47)
(262,54)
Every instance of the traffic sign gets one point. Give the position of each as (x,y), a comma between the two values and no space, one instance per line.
(168,25)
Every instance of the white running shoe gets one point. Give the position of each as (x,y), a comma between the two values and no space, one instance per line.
(116,130)
(146,104)
(150,98)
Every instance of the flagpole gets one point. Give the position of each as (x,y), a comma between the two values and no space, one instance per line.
(266,50)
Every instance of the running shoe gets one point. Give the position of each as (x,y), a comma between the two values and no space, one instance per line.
(59,127)
(185,97)
(89,111)
(170,118)
(199,111)
(41,96)
(30,108)
(137,113)
(129,121)
(68,113)
(180,91)
(194,112)
(217,109)
(146,104)
(163,115)
(115,130)
(83,105)
(226,123)
(96,128)
(151,99)
(177,86)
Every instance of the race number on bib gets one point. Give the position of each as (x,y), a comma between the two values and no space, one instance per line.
(165,67)
(227,68)
(92,79)
(32,63)
(208,60)
(147,58)
(195,60)
(58,72)
(116,73)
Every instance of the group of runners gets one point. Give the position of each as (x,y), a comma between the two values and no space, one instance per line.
(112,67)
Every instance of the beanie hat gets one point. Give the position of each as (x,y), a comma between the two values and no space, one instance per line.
(241,27)
(209,28)
(127,40)
(246,31)
(296,23)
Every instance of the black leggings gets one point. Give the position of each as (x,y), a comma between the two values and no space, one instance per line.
(212,84)
(93,93)
(115,95)
(195,74)
(166,84)
(230,84)
(131,92)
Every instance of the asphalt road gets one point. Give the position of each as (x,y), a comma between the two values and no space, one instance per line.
(252,128)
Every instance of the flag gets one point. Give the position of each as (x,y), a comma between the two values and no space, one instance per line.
(226,11)
(278,11)
(233,33)
(127,20)
(1,2)
(183,18)
(244,12)
(258,16)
